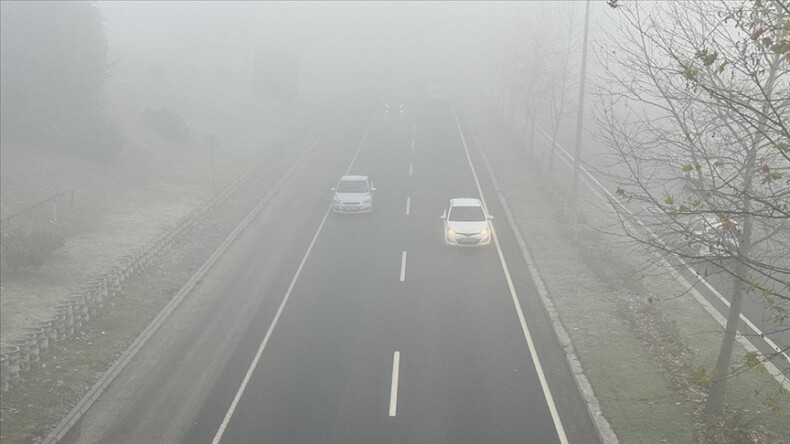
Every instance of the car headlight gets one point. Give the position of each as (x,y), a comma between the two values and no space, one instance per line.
(450,232)
(484,232)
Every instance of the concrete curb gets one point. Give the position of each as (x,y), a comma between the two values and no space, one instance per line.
(76,413)
(605,431)
(674,264)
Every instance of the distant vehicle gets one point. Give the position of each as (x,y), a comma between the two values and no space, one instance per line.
(466,223)
(713,236)
(393,107)
(353,194)
(438,93)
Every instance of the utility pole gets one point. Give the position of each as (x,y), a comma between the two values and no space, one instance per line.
(577,156)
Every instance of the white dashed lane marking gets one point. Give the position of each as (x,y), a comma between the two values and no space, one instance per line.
(394,384)
(403,266)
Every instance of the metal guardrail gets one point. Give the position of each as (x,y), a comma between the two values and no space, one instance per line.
(23,349)
(73,417)
(53,199)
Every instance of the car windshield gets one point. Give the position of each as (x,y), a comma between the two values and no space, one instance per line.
(352,186)
(714,225)
(466,214)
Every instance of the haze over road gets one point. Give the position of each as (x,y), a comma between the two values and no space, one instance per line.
(385,335)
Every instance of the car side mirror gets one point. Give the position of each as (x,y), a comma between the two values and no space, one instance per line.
(372,188)
(332,189)
(443,216)
(490,217)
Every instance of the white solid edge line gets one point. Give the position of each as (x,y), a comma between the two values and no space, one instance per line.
(265,341)
(604,429)
(141,340)
(411,169)
(592,182)
(403,266)
(408,205)
(517,303)
(394,384)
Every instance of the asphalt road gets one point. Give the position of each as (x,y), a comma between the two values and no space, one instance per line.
(320,327)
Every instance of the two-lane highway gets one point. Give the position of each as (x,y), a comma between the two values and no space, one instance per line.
(373,330)
(388,335)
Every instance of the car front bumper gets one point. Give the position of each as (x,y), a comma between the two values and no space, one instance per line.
(468,240)
(344,207)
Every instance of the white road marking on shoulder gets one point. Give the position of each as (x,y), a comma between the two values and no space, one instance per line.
(403,266)
(411,169)
(408,205)
(517,303)
(247,376)
(412,145)
(594,186)
(394,384)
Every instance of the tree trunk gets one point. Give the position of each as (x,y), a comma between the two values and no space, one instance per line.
(554,132)
(511,108)
(520,142)
(532,119)
(718,389)
(577,161)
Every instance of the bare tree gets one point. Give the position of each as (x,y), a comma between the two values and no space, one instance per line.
(532,49)
(538,70)
(561,78)
(696,107)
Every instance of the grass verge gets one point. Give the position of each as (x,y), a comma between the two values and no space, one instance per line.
(31,409)
(639,334)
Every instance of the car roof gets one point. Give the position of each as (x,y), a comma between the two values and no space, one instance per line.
(710,219)
(465,202)
(354,177)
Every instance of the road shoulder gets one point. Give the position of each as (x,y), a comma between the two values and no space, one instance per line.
(638,356)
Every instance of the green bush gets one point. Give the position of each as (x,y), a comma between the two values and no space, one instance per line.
(20,248)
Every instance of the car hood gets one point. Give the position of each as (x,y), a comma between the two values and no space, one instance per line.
(352,196)
(467,227)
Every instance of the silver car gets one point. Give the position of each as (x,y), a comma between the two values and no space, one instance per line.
(466,223)
(353,194)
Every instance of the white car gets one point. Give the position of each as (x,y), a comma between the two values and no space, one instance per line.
(466,223)
(353,194)
(715,236)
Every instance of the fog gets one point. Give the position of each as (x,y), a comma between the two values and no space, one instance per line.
(342,47)
(394,222)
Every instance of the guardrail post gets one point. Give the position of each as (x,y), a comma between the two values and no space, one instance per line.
(23,344)
(14,357)
(42,342)
(68,318)
(3,372)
